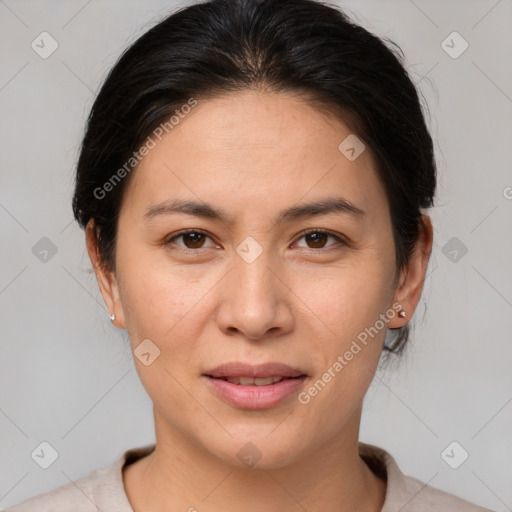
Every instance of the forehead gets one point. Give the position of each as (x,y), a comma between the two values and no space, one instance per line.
(254,149)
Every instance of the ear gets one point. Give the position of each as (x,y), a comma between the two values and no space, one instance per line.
(107,280)
(411,281)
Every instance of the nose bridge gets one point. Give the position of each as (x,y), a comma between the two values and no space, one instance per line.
(254,293)
(252,274)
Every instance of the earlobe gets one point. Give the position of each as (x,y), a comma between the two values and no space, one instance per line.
(107,280)
(408,292)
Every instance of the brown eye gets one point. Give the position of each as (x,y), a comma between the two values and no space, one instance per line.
(317,239)
(192,239)
(196,240)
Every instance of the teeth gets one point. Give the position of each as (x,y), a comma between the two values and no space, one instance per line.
(250,381)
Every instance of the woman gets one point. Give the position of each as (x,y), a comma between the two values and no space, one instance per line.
(253,185)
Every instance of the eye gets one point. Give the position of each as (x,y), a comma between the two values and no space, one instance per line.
(319,237)
(192,239)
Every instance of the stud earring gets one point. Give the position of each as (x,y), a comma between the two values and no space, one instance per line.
(113,317)
(402,314)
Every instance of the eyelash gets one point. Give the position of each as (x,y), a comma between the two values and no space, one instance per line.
(340,240)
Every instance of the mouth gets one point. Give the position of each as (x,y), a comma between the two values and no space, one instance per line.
(254,386)
(246,374)
(255,381)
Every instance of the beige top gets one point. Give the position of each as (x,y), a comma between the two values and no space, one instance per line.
(103,489)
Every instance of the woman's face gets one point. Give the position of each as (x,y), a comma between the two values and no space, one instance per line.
(251,287)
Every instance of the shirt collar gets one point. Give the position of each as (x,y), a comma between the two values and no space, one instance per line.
(109,492)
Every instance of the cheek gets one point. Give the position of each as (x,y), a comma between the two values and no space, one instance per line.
(357,304)
(158,297)
(344,309)
(346,342)
(343,301)
(161,304)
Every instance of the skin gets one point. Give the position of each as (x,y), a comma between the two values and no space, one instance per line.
(302,302)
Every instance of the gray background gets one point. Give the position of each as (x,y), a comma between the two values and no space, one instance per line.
(66,374)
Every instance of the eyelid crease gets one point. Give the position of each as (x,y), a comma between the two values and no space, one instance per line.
(340,238)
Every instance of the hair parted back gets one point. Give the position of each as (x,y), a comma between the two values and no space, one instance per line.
(217,47)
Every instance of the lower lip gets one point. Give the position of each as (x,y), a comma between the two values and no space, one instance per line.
(255,397)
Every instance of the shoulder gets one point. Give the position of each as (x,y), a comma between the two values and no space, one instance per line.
(425,498)
(101,489)
(77,496)
(408,494)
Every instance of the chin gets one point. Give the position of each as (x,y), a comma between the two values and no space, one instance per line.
(246,451)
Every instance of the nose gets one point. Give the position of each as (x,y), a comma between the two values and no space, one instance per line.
(255,299)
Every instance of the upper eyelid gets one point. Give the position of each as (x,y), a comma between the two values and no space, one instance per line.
(340,238)
(169,239)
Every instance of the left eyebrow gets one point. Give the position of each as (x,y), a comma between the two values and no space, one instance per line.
(199,209)
(323,207)
(207,211)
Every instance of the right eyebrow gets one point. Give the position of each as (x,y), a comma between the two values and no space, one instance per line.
(208,211)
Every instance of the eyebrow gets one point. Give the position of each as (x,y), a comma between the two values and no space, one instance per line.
(207,211)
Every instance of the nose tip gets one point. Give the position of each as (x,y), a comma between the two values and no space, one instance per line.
(257,332)
(253,301)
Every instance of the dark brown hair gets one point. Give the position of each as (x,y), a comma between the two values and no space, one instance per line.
(222,46)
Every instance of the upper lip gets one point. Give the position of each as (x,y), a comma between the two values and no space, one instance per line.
(239,369)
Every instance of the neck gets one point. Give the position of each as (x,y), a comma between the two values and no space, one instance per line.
(181,475)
